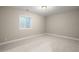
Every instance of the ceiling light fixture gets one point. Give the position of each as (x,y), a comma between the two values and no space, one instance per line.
(43,6)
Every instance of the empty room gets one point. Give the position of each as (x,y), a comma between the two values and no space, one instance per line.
(39,29)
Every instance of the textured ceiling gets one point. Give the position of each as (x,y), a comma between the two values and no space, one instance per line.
(49,10)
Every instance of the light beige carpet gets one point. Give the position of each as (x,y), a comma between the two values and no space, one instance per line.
(48,44)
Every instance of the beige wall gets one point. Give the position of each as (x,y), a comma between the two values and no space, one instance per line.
(64,23)
(9,24)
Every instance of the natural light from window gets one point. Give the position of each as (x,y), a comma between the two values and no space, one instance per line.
(25,22)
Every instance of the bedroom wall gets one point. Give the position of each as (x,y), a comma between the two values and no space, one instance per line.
(9,24)
(66,23)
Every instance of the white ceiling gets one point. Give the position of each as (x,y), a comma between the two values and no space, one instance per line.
(49,10)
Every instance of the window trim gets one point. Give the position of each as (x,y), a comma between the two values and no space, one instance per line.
(19,23)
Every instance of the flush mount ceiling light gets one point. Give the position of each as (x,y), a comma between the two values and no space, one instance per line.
(44,7)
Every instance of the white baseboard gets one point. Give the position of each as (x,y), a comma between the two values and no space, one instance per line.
(28,37)
(37,35)
(62,36)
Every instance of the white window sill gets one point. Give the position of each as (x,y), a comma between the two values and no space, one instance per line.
(24,28)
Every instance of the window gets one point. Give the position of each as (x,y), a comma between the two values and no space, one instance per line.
(25,22)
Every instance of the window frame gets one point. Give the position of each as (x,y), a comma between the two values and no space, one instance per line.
(19,22)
